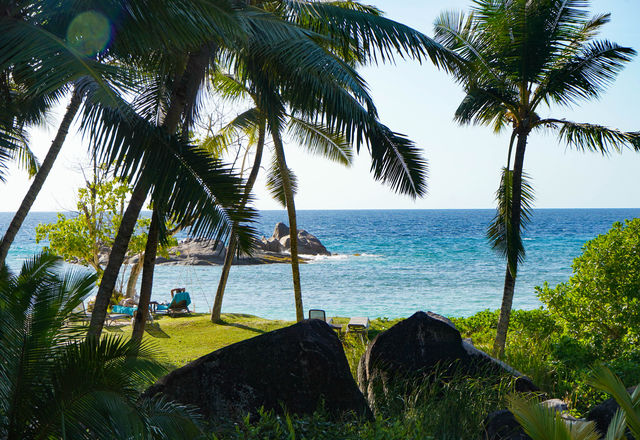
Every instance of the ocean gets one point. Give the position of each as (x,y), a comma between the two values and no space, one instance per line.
(386,263)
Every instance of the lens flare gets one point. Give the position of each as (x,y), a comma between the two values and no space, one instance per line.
(89,33)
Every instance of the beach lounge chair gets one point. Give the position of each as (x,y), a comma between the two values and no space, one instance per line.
(321,315)
(179,305)
(80,313)
(359,325)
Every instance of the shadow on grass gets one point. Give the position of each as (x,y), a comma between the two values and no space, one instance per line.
(241,326)
(155,331)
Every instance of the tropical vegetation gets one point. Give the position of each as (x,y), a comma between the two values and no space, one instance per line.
(56,384)
(523,58)
(599,304)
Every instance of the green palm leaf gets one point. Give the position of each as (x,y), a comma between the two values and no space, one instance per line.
(544,423)
(603,379)
(274,182)
(502,237)
(593,137)
(319,140)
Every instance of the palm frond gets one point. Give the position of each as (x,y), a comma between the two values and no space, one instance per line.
(544,423)
(319,140)
(274,182)
(603,379)
(367,33)
(26,159)
(592,137)
(584,75)
(396,161)
(500,233)
(202,193)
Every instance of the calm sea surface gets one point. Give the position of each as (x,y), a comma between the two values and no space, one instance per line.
(387,263)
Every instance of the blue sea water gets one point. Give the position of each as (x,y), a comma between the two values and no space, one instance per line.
(386,263)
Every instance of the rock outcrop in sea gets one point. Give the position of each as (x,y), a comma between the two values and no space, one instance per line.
(295,369)
(275,249)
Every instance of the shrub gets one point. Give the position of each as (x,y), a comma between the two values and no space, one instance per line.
(600,304)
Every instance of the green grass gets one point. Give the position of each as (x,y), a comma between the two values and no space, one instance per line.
(181,340)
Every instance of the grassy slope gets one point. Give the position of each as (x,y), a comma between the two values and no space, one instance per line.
(183,339)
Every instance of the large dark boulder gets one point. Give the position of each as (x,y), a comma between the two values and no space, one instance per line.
(297,367)
(416,346)
(602,414)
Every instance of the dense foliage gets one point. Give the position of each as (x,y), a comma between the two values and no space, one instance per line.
(600,304)
(57,385)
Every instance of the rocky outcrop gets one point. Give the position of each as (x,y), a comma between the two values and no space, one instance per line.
(275,249)
(280,241)
(415,347)
(298,367)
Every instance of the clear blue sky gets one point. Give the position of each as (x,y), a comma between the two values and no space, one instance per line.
(464,162)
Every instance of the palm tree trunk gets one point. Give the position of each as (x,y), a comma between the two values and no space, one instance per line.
(186,90)
(293,228)
(116,257)
(513,239)
(133,276)
(150,252)
(231,249)
(41,176)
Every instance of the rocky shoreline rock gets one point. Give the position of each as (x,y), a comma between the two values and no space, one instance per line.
(275,249)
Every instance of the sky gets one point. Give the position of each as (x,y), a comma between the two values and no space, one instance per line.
(419,101)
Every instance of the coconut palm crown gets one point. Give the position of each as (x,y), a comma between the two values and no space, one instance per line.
(523,58)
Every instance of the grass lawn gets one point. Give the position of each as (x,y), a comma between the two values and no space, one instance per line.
(183,339)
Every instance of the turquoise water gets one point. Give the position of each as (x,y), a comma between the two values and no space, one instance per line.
(409,260)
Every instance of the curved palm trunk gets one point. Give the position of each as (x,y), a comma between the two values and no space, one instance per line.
(231,249)
(41,176)
(186,91)
(293,228)
(512,259)
(150,252)
(116,257)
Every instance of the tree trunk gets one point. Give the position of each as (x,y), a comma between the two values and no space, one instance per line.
(41,176)
(133,277)
(505,314)
(116,258)
(293,228)
(512,239)
(216,311)
(150,252)
(185,90)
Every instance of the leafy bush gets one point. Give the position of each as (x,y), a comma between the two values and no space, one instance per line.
(600,304)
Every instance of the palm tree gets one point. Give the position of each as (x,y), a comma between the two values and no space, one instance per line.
(45,48)
(316,138)
(56,385)
(312,80)
(148,141)
(522,56)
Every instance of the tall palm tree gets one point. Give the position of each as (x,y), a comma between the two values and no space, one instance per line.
(522,57)
(313,80)
(314,137)
(56,385)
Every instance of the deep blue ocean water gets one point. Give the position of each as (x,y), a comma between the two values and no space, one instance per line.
(408,260)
